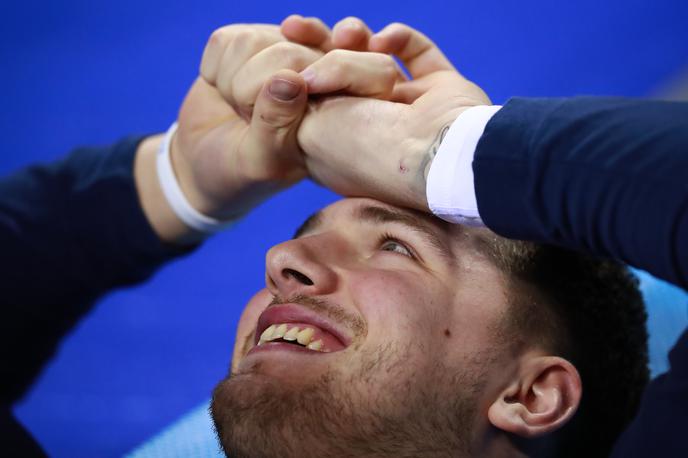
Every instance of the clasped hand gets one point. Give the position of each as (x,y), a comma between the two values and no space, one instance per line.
(274,104)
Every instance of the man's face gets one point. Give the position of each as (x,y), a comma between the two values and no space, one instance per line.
(404,355)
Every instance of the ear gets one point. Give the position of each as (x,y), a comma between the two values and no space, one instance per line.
(543,398)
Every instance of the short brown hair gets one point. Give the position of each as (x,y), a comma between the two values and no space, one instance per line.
(588,310)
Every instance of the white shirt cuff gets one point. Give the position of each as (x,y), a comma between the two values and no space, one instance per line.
(450,189)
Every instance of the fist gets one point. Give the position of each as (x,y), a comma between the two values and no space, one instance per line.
(236,140)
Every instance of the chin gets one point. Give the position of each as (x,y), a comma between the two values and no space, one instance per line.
(233,398)
(318,405)
(259,415)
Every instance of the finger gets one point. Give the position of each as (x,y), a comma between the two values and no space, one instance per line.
(250,78)
(417,52)
(240,40)
(351,33)
(407,92)
(229,48)
(308,31)
(356,73)
(272,133)
(415,90)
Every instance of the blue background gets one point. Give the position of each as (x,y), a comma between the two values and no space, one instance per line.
(88,72)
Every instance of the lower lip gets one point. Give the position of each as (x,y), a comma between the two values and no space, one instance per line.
(282,346)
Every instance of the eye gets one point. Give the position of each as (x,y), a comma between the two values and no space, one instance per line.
(389,243)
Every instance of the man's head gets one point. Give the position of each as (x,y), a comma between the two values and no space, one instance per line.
(428,339)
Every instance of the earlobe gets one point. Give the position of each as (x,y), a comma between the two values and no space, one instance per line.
(543,398)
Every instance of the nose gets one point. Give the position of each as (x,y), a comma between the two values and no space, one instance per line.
(299,266)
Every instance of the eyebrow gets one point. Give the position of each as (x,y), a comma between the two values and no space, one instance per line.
(375,214)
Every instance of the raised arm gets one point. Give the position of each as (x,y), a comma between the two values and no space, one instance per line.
(69,231)
(607,176)
(99,219)
(96,220)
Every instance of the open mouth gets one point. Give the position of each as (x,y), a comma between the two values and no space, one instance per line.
(292,327)
(302,335)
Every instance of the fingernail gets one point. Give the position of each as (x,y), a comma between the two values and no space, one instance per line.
(283,90)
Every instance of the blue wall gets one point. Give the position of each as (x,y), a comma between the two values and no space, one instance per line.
(87,72)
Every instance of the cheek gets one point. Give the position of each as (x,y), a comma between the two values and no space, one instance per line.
(398,306)
(479,305)
(454,320)
(248,321)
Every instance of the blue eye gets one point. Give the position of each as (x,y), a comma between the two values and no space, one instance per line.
(388,243)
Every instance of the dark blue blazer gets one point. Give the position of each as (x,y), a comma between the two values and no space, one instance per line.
(609,177)
(70,231)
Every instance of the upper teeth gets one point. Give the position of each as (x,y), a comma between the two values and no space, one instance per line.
(291,334)
(283,331)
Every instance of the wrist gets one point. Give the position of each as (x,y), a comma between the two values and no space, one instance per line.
(160,215)
(220,184)
(184,174)
(424,151)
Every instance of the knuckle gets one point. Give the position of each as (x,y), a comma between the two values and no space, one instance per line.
(212,54)
(228,33)
(284,47)
(243,36)
(218,37)
(276,119)
(291,55)
(388,67)
(336,57)
(338,54)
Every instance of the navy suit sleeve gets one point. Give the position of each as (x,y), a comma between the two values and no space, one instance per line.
(607,176)
(69,232)
(610,177)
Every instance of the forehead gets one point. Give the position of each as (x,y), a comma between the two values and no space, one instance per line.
(445,236)
(352,211)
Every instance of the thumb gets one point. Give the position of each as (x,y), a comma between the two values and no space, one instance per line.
(277,113)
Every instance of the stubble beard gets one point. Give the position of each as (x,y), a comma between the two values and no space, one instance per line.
(380,409)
